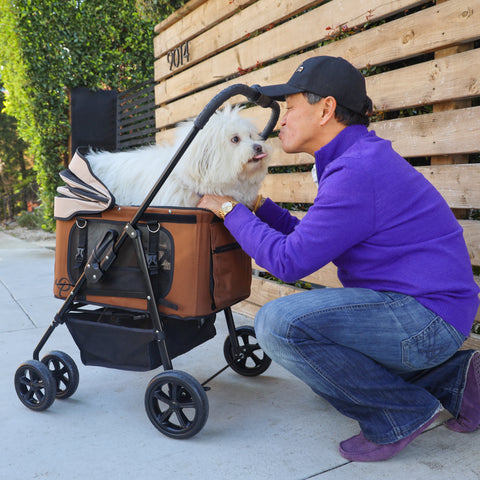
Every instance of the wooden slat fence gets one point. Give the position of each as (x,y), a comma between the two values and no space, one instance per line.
(421,60)
(136,116)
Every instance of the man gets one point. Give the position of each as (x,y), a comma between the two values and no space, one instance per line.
(384,349)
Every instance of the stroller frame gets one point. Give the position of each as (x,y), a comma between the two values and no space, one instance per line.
(38,383)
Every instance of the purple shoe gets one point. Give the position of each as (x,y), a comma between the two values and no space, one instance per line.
(468,419)
(359,449)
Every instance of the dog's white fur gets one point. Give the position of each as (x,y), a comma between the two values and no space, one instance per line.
(227,157)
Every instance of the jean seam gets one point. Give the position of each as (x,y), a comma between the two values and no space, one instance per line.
(403,432)
(460,337)
(355,306)
(307,360)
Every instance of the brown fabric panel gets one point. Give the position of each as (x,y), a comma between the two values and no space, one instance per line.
(205,258)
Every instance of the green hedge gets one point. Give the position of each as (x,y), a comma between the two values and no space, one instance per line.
(51,46)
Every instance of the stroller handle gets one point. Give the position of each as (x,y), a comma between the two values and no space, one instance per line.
(252,95)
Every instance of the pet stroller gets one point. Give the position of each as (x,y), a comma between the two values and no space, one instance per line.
(142,285)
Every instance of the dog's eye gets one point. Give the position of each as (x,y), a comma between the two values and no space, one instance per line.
(235,139)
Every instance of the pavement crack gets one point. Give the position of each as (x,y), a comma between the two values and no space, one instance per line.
(18,303)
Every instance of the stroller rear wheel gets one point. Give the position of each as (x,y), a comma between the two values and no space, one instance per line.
(35,385)
(176,404)
(248,359)
(64,371)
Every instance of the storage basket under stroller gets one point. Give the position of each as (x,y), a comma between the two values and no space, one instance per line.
(142,285)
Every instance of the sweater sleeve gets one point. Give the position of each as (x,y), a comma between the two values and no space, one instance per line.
(343,214)
(277,217)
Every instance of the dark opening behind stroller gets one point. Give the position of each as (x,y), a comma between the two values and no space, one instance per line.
(142,285)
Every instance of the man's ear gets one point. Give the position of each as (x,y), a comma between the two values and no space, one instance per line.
(329,107)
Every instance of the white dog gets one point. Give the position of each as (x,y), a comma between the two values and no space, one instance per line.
(227,157)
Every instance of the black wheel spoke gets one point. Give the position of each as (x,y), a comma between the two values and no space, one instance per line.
(24,380)
(182,419)
(165,416)
(256,360)
(162,397)
(30,394)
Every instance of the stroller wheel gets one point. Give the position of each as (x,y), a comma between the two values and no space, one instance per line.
(64,371)
(176,404)
(35,385)
(248,359)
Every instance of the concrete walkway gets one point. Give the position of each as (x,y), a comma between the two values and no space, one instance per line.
(270,427)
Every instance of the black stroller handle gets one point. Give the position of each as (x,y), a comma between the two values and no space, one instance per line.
(252,95)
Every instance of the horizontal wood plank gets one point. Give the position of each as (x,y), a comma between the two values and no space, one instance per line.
(444,79)
(458,184)
(326,276)
(264,290)
(472,342)
(471,233)
(442,133)
(177,15)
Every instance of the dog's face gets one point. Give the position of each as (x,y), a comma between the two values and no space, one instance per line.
(243,147)
(228,150)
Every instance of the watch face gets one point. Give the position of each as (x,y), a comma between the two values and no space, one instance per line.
(227,206)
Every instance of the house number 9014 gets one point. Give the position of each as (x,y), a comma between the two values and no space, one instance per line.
(178,56)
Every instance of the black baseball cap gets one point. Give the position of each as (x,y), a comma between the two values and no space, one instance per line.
(324,76)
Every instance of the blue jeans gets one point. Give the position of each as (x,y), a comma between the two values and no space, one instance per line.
(380,358)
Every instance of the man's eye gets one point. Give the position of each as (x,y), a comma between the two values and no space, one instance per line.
(235,139)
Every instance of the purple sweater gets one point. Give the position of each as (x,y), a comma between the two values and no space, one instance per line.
(381,223)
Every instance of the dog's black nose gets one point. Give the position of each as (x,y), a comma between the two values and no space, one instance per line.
(257,148)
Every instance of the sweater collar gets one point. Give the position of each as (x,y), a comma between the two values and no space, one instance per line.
(338,146)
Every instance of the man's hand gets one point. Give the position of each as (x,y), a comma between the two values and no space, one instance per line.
(213,203)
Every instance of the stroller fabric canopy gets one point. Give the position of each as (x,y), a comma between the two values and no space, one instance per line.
(83,192)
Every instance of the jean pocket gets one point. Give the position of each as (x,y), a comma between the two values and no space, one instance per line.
(433,345)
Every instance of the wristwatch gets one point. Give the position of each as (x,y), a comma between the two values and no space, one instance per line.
(226,208)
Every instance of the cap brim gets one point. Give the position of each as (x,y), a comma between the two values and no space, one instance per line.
(278,92)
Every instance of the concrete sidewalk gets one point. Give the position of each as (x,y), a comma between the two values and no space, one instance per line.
(270,427)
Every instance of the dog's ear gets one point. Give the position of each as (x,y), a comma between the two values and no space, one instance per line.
(228,108)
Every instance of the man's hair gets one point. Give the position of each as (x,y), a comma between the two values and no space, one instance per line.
(345,115)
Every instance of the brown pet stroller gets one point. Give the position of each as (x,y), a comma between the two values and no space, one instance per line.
(142,285)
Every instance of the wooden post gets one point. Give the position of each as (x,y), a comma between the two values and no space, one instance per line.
(451,105)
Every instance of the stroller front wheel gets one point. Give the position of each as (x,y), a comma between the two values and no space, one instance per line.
(64,371)
(35,386)
(176,404)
